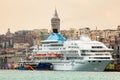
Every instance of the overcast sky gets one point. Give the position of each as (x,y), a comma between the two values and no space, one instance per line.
(36,14)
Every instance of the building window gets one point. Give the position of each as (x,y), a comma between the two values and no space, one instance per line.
(112,47)
(117,56)
(118,48)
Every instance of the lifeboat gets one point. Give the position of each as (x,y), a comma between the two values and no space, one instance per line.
(48,55)
(42,55)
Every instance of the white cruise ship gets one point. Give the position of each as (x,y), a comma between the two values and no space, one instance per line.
(78,55)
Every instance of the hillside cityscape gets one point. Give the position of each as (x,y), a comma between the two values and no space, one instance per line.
(14,46)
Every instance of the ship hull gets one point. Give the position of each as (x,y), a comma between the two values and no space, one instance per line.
(82,66)
(70,65)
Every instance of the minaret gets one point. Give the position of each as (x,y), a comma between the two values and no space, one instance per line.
(55,23)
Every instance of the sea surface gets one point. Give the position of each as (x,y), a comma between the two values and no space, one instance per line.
(57,75)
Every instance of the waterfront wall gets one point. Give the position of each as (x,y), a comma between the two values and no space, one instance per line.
(10,60)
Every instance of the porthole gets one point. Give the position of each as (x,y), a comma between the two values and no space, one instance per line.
(93,61)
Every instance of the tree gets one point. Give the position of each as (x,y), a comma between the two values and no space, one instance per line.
(42,36)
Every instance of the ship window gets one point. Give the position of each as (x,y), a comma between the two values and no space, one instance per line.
(73,47)
(75,44)
(83,51)
(48,42)
(56,44)
(92,54)
(35,49)
(54,48)
(99,61)
(69,58)
(40,48)
(87,54)
(72,52)
(97,47)
(64,48)
(100,57)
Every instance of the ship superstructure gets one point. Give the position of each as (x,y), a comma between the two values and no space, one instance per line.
(73,55)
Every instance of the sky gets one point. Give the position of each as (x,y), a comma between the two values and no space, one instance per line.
(36,14)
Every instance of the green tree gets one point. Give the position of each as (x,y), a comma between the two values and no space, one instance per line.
(42,36)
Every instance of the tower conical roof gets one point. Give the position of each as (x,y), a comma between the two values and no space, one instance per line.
(55,14)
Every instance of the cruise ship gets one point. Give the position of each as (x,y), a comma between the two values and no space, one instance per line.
(76,55)
(58,53)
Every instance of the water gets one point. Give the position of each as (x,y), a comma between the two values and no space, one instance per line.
(57,75)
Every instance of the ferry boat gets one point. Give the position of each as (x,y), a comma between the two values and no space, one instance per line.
(76,55)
